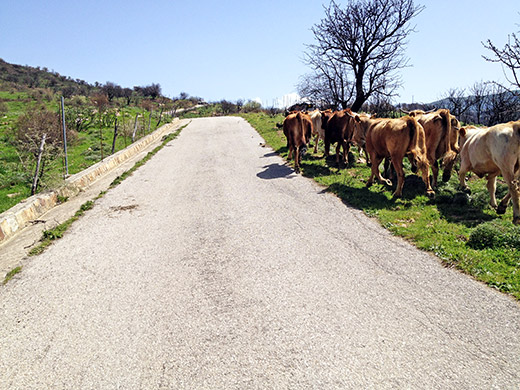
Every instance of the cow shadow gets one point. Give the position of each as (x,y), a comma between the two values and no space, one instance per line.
(460,207)
(314,170)
(361,198)
(272,154)
(275,171)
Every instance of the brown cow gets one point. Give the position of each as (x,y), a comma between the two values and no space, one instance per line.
(393,138)
(338,129)
(297,129)
(441,130)
(490,152)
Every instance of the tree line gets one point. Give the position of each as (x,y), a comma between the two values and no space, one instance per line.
(360,48)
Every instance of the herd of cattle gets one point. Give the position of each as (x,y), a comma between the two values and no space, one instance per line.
(425,138)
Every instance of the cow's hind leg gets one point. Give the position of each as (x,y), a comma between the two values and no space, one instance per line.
(513,194)
(376,161)
(435,173)
(398,166)
(464,168)
(491,187)
(514,190)
(297,158)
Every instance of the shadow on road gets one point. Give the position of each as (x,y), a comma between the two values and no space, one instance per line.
(275,171)
(272,154)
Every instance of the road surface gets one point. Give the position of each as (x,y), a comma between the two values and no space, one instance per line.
(214,266)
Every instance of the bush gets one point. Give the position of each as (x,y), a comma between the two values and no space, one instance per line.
(494,235)
(3,108)
(251,106)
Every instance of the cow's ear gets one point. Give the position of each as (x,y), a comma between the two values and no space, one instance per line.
(357,119)
(462,131)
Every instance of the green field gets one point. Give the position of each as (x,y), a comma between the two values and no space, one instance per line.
(462,230)
(90,144)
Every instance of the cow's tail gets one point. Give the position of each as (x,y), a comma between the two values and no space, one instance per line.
(417,145)
(302,143)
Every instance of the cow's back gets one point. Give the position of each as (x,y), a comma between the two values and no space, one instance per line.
(492,149)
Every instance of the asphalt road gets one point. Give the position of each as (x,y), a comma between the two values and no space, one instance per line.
(214,266)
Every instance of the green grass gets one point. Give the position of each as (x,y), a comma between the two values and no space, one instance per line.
(447,226)
(11,274)
(16,178)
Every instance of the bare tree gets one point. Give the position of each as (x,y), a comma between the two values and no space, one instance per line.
(458,103)
(479,100)
(329,85)
(509,58)
(502,106)
(38,136)
(366,38)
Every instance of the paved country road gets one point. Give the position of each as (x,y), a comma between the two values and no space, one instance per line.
(214,266)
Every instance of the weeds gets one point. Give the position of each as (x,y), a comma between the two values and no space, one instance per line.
(11,274)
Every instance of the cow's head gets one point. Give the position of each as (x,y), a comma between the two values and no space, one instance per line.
(325,116)
(361,123)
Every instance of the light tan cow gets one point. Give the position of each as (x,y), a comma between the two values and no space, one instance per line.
(317,130)
(441,130)
(393,138)
(490,152)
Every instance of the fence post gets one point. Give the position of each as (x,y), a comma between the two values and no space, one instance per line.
(114,140)
(64,136)
(135,127)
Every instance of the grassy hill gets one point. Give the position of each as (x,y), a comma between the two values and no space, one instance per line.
(30,106)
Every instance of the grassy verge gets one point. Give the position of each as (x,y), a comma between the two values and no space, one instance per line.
(17,168)
(462,230)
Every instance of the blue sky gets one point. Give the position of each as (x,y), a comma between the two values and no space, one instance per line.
(237,49)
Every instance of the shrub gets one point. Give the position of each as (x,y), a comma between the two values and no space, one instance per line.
(3,108)
(494,235)
(251,106)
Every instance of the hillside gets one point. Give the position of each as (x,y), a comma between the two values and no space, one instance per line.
(22,77)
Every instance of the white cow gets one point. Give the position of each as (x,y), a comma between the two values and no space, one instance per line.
(493,151)
(317,131)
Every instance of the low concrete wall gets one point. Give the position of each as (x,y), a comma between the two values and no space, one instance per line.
(17,217)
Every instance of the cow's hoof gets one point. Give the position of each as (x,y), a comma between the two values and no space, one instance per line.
(466,190)
(396,195)
(430,194)
(446,177)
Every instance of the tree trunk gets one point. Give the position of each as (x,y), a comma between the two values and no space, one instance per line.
(38,162)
